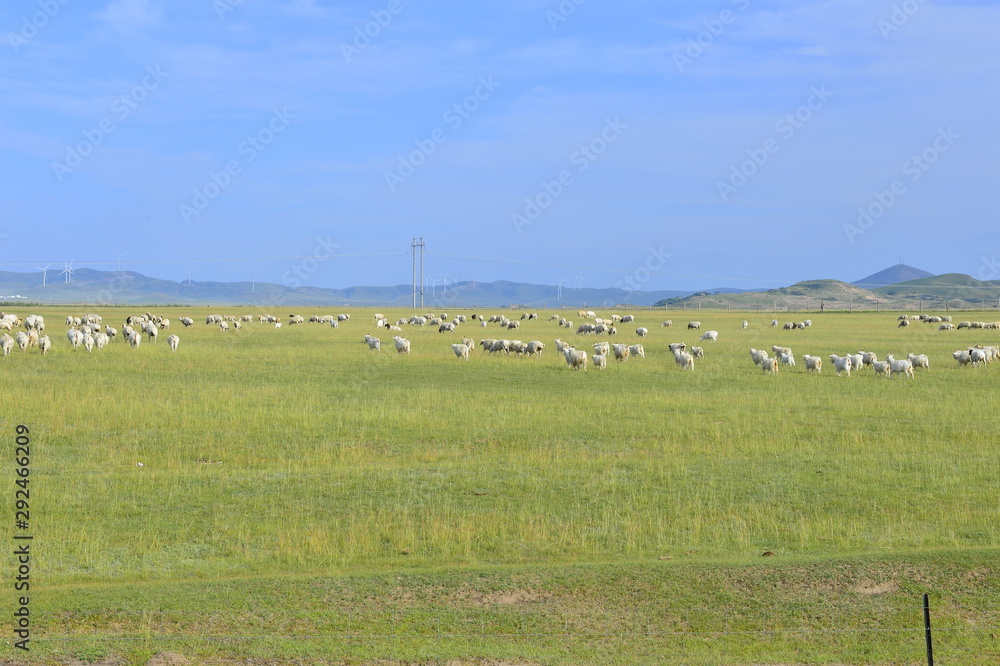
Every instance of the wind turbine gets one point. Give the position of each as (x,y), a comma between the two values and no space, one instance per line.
(118,259)
(434,282)
(44,273)
(253,285)
(189,276)
(559,290)
(68,272)
(579,280)
(474,273)
(445,278)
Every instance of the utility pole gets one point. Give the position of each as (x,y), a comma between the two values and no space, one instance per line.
(418,278)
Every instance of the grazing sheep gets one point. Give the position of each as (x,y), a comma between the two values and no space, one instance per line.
(461,351)
(602,348)
(710,335)
(685,360)
(881,368)
(563,346)
(277,324)
(962,356)
(88,342)
(223,326)
(841,364)
(919,361)
(374,344)
(637,350)
(667,323)
(779,350)
(675,347)
(745,323)
(899,367)
(6,343)
(787,359)
(600,361)
(965,324)
(946,326)
(857,361)
(402,345)
(977,356)
(75,338)
(576,360)
(769,366)
(511,325)
(813,363)
(867,358)
(697,352)
(102,340)
(789,326)
(641,331)
(44,344)
(694,324)
(534,348)
(757,355)
(774,323)
(627,319)
(903,322)
(343,317)
(134,339)
(621,351)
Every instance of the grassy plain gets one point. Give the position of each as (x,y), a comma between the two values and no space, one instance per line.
(302,498)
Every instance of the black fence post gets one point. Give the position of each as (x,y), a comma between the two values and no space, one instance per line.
(927,631)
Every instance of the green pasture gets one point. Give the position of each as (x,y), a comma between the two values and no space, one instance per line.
(301,498)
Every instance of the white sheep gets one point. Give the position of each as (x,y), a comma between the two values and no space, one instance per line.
(576,360)
(712,336)
(903,323)
(977,356)
(535,347)
(962,356)
(374,344)
(563,346)
(88,342)
(7,344)
(641,331)
(637,350)
(857,361)
(101,339)
(745,323)
(621,351)
(75,337)
(813,363)
(667,323)
(919,361)
(769,366)
(694,324)
(881,368)
(603,348)
(757,355)
(841,364)
(461,351)
(774,323)
(697,352)
(946,326)
(787,359)
(600,361)
(402,345)
(675,347)
(899,367)
(627,319)
(44,344)
(683,359)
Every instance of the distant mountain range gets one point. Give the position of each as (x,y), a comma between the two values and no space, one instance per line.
(892,275)
(93,287)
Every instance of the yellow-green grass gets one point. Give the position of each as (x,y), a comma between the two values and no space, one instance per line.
(277,462)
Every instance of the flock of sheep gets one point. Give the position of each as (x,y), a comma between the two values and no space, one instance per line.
(88,331)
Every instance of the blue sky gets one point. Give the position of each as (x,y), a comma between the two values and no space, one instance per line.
(680,145)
